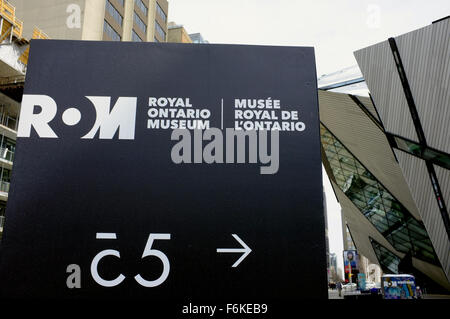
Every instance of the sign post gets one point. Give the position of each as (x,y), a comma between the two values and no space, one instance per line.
(166,172)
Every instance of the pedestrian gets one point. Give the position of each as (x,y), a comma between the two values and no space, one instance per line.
(419,293)
(339,287)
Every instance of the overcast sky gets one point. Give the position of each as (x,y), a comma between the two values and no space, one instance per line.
(335,28)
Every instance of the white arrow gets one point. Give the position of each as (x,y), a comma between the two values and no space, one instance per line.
(245,250)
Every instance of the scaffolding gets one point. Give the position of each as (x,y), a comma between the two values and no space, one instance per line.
(10,25)
(37,34)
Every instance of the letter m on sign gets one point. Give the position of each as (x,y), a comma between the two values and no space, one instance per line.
(122,117)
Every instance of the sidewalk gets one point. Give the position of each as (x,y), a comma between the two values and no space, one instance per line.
(428,296)
(334,294)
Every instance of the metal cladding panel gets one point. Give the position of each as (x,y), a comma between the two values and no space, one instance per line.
(340,114)
(432,271)
(369,106)
(361,228)
(425,55)
(378,67)
(443,176)
(419,182)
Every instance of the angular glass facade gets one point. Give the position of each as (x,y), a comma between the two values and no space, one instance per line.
(375,202)
(387,260)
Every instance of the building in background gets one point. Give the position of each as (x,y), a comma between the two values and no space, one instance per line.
(177,33)
(333,261)
(14,50)
(348,80)
(327,241)
(386,152)
(197,38)
(116,20)
(372,270)
(334,273)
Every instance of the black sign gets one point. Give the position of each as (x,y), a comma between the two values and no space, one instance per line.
(166,171)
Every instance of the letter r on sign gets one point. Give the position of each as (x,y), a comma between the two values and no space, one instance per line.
(38,121)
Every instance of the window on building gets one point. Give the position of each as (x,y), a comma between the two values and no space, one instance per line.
(160,31)
(424,152)
(140,23)
(135,37)
(114,13)
(375,202)
(5,179)
(7,148)
(142,7)
(161,12)
(388,261)
(350,244)
(108,29)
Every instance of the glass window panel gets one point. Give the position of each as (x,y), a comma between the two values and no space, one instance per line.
(160,31)
(141,24)
(403,247)
(415,236)
(114,13)
(337,173)
(368,180)
(135,37)
(419,245)
(373,200)
(379,222)
(401,235)
(348,166)
(359,204)
(142,7)
(386,259)
(161,12)
(392,219)
(341,180)
(377,204)
(366,173)
(437,158)
(414,226)
(361,169)
(430,256)
(110,31)
(333,159)
(426,153)
(356,194)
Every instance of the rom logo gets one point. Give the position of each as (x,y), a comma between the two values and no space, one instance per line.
(121,117)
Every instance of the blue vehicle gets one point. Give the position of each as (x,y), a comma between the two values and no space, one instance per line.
(398,287)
